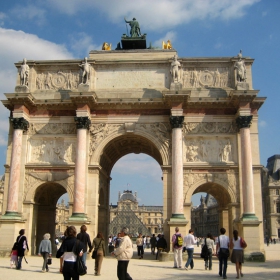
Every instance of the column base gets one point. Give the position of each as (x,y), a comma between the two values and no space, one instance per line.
(78,217)
(10,215)
(249,217)
(177,217)
(254,257)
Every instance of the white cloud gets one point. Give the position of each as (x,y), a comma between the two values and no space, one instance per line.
(138,164)
(158,14)
(82,44)
(171,35)
(29,12)
(16,45)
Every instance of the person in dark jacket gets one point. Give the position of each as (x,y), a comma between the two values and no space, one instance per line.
(84,237)
(22,246)
(161,244)
(69,269)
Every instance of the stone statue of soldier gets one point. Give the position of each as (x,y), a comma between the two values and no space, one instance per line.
(135,27)
(85,66)
(174,69)
(241,69)
(24,73)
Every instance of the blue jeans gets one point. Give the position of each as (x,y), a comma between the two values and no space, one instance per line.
(190,258)
(84,257)
(19,262)
(223,266)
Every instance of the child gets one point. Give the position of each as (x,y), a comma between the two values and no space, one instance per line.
(14,256)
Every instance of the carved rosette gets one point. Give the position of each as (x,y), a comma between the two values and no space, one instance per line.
(176,121)
(244,121)
(20,123)
(82,122)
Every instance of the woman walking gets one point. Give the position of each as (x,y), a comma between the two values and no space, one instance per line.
(22,246)
(69,269)
(237,255)
(210,245)
(99,245)
(45,250)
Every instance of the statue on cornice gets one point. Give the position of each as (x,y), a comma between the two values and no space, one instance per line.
(85,67)
(135,27)
(24,73)
(174,69)
(241,68)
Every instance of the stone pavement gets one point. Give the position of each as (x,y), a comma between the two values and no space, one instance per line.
(147,268)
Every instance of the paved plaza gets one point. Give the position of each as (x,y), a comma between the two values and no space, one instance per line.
(148,268)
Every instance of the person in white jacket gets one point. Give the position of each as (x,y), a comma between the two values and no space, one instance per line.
(123,254)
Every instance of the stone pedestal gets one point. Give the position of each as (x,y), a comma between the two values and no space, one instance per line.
(83,87)
(21,89)
(176,86)
(242,86)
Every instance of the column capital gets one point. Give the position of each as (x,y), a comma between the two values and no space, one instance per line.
(20,123)
(244,121)
(82,122)
(176,121)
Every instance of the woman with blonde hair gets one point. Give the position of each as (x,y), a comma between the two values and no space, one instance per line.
(99,245)
(45,250)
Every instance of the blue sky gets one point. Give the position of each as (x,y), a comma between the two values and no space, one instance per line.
(63,29)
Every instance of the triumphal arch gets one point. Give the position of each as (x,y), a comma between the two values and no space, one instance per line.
(72,120)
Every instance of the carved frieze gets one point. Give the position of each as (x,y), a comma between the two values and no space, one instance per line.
(271,181)
(55,151)
(206,77)
(208,150)
(209,127)
(52,128)
(55,80)
(228,179)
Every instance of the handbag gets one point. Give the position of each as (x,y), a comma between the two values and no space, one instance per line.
(243,243)
(49,261)
(81,267)
(94,253)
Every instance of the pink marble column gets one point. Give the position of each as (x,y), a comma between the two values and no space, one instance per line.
(80,167)
(177,167)
(19,125)
(243,123)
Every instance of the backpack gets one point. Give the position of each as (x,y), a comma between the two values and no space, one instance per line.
(179,240)
(204,250)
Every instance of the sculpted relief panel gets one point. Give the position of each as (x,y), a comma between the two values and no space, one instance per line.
(55,80)
(206,77)
(209,127)
(54,151)
(214,150)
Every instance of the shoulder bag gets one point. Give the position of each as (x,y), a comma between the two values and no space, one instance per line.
(243,243)
(94,253)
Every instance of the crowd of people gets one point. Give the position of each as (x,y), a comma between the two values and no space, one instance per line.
(215,247)
(74,248)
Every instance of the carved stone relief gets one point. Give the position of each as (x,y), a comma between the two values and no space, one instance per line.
(209,127)
(208,150)
(55,151)
(206,77)
(52,128)
(229,179)
(99,132)
(54,80)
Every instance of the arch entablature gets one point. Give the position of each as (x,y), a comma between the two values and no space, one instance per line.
(120,143)
(30,193)
(204,185)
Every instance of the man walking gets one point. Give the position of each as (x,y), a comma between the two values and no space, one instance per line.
(153,244)
(189,242)
(177,246)
(222,250)
(123,253)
